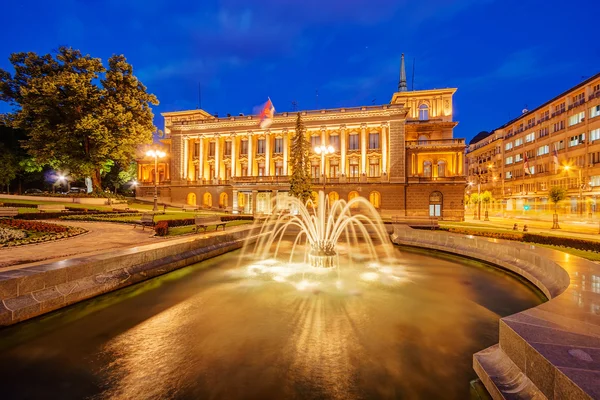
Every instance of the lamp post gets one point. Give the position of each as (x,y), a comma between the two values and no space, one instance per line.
(324,150)
(156,154)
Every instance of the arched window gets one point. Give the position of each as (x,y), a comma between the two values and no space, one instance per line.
(333,196)
(223,199)
(427,169)
(422,139)
(241,200)
(423,112)
(441,168)
(191,199)
(207,200)
(353,195)
(375,199)
(314,196)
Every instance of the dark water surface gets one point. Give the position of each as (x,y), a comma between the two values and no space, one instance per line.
(205,333)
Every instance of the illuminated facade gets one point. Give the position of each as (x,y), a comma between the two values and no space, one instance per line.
(569,124)
(401,156)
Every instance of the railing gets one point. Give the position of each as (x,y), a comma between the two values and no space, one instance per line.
(438,142)
(353,179)
(260,179)
(289,114)
(316,181)
(420,179)
(333,180)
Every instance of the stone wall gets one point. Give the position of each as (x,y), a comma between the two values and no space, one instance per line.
(417,199)
(176,158)
(28,292)
(397,152)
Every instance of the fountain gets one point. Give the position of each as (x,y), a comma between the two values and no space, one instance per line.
(319,228)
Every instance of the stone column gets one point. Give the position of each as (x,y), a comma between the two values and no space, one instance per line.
(324,142)
(267,154)
(384,152)
(234,202)
(397,152)
(250,152)
(201,158)
(184,174)
(233,158)
(254,195)
(140,176)
(217,159)
(363,149)
(343,149)
(177,156)
(285,152)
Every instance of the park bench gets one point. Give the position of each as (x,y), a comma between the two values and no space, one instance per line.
(205,222)
(51,207)
(8,211)
(416,222)
(122,207)
(146,220)
(189,207)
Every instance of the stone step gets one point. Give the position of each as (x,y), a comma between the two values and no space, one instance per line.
(502,378)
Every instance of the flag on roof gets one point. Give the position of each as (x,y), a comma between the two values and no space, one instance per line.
(266,114)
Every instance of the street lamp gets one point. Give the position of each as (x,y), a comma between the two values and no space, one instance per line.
(324,150)
(156,154)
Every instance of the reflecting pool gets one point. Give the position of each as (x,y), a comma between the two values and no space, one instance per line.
(220,330)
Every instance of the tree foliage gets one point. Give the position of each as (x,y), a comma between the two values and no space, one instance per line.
(475,198)
(486,197)
(556,195)
(10,166)
(78,115)
(300,181)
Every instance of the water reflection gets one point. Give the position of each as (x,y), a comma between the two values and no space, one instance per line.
(213,334)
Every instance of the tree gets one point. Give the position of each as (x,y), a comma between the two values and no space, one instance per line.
(475,197)
(556,195)
(300,181)
(10,166)
(77,115)
(486,198)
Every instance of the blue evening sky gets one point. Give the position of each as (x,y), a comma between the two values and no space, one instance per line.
(500,54)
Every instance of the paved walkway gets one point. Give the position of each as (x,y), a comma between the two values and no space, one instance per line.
(101,236)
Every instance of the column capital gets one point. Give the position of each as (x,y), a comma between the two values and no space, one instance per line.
(323,128)
(363,126)
(342,127)
(384,124)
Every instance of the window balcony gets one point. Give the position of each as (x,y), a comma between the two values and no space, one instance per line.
(435,143)
(428,179)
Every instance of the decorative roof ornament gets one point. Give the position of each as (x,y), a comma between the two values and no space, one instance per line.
(402,84)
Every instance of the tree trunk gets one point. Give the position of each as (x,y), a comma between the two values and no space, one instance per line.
(96,181)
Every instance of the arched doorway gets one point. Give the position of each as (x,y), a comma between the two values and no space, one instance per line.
(223,199)
(375,199)
(435,204)
(207,200)
(191,199)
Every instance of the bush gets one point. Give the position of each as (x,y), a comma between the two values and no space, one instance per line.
(579,244)
(108,216)
(18,205)
(494,235)
(161,228)
(46,215)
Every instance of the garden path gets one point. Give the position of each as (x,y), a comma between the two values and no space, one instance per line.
(101,236)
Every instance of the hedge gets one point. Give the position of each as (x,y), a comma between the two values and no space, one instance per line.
(18,205)
(162,227)
(579,244)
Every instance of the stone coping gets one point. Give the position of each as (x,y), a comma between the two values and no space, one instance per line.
(38,289)
(551,351)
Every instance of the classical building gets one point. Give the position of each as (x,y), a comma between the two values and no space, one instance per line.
(555,144)
(401,156)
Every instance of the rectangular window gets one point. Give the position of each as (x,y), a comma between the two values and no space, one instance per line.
(261,170)
(315,171)
(278,145)
(577,118)
(374,168)
(594,111)
(595,134)
(374,141)
(211,149)
(353,142)
(334,141)
(595,180)
(228,148)
(559,108)
(244,148)
(354,170)
(508,174)
(518,142)
(559,126)
(509,160)
(315,141)
(577,140)
(529,137)
(543,150)
(508,146)
(196,150)
(543,132)
(278,170)
(532,169)
(260,146)
(518,157)
(334,171)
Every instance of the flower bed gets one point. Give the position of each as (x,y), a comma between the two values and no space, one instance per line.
(10,234)
(102,217)
(36,232)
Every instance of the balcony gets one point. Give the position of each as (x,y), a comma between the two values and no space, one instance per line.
(281,179)
(428,179)
(435,143)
